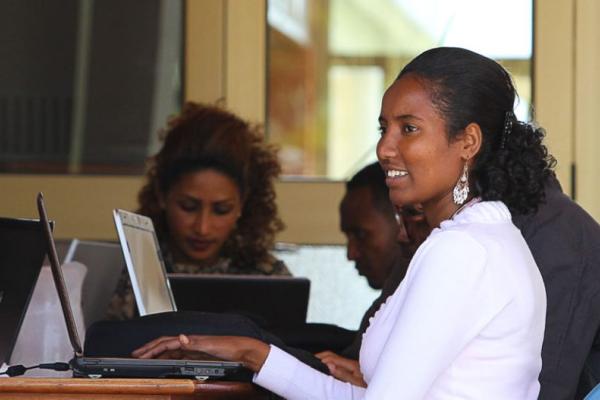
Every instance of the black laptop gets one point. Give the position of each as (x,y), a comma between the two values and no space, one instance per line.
(97,367)
(272,301)
(22,250)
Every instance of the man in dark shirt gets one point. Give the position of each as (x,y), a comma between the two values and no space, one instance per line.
(565,242)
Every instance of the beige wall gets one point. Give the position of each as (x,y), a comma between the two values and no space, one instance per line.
(225,54)
(226,59)
(587,105)
(554,80)
(82,205)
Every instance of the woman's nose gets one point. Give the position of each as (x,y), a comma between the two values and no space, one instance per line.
(202,223)
(385,148)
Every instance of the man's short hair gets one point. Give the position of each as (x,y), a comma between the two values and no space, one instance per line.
(373,177)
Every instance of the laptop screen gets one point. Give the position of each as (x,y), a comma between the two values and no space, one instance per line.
(144,263)
(104,262)
(22,250)
(249,295)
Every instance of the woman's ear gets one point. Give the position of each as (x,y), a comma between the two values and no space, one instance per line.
(471,141)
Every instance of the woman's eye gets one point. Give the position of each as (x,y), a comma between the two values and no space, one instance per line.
(381,129)
(188,207)
(409,128)
(222,209)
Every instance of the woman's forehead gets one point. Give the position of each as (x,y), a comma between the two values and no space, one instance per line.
(408,97)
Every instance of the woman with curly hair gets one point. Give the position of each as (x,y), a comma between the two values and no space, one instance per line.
(468,319)
(210,194)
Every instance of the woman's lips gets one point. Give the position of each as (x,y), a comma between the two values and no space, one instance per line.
(200,244)
(394,176)
(396,173)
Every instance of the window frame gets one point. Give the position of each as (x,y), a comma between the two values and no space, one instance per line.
(225,51)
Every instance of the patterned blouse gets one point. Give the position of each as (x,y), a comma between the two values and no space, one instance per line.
(122,305)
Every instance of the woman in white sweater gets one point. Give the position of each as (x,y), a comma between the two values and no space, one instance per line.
(467,322)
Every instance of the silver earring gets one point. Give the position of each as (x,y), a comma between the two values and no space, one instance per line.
(461,189)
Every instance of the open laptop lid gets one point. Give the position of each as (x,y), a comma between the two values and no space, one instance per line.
(104,262)
(144,262)
(59,280)
(250,295)
(95,367)
(22,250)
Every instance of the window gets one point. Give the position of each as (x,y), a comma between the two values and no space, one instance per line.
(86,85)
(331,60)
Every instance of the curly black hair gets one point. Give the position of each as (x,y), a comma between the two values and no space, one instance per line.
(465,87)
(209,137)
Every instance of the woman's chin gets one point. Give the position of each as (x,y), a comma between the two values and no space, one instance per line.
(401,200)
(201,258)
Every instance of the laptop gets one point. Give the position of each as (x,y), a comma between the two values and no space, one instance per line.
(22,250)
(104,262)
(144,262)
(97,367)
(250,295)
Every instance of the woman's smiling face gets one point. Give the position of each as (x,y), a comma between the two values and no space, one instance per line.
(421,164)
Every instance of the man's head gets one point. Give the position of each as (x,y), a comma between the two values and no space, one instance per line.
(368,221)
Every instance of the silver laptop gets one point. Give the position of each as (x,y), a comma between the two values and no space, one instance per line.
(104,262)
(96,367)
(144,262)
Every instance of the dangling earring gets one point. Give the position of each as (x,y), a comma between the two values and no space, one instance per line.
(461,189)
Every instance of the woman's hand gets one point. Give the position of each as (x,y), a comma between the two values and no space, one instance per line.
(250,352)
(342,368)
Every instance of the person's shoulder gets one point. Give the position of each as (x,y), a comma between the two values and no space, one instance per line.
(455,248)
(268,265)
(272,266)
(452,238)
(472,229)
(557,213)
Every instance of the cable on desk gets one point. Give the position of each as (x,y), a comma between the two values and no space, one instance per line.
(17,370)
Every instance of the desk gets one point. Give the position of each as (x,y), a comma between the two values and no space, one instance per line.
(121,389)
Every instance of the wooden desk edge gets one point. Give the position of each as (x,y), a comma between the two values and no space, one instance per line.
(121,386)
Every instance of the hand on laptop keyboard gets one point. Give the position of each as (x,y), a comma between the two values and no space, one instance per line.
(251,352)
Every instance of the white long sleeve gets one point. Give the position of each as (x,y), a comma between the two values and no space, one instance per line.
(291,379)
(467,322)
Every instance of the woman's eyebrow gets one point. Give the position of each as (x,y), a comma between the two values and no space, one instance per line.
(407,116)
(401,117)
(225,199)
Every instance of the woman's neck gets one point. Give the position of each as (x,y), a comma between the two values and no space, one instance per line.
(442,211)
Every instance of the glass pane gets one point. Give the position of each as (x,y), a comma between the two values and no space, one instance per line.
(86,86)
(331,60)
(357,90)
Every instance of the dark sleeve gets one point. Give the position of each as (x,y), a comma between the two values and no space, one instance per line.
(565,242)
